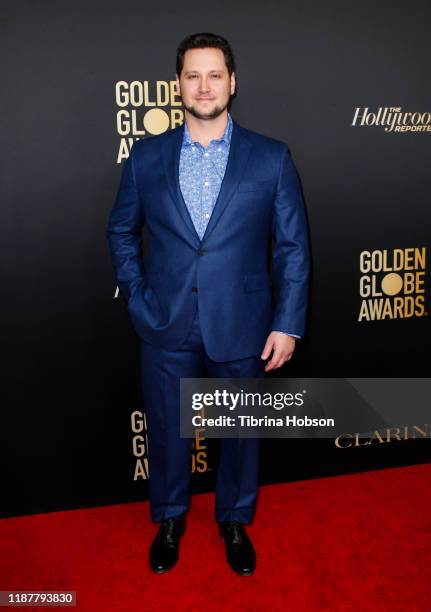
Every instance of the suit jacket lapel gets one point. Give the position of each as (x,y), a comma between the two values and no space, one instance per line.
(238,156)
(171,160)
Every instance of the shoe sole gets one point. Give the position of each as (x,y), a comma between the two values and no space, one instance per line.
(163,571)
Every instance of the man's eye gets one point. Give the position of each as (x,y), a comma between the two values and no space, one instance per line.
(192,76)
(216,76)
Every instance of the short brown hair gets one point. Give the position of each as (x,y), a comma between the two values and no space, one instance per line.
(203,41)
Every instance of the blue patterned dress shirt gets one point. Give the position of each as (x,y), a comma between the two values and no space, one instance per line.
(201,174)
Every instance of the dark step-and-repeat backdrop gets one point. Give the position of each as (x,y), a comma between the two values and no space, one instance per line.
(345,85)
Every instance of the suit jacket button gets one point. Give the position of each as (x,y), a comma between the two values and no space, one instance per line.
(194,289)
(201,252)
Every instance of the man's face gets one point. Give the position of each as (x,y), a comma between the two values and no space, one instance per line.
(204,85)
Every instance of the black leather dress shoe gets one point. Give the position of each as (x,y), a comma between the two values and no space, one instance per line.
(239,549)
(165,547)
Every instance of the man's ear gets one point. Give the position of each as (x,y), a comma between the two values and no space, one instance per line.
(232,83)
(178,83)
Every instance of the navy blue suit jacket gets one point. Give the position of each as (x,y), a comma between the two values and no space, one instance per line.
(228,271)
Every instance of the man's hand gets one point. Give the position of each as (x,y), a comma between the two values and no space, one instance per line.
(283,347)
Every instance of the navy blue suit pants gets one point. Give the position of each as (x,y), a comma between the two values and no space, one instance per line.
(170,456)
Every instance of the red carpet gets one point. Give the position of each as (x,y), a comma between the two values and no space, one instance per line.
(359,542)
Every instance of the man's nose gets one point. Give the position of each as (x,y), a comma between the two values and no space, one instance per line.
(204,84)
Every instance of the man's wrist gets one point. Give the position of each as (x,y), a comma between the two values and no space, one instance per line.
(287,334)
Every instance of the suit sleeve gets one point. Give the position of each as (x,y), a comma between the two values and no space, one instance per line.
(290,253)
(124,231)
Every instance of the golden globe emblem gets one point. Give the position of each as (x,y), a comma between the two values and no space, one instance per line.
(156,121)
(392,283)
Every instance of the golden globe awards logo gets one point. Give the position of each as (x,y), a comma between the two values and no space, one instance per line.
(146,108)
(392,119)
(392,284)
(198,450)
(139,445)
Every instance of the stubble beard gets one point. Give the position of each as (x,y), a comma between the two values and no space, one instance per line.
(216,111)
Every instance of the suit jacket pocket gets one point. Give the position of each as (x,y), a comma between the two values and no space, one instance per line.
(250,185)
(144,305)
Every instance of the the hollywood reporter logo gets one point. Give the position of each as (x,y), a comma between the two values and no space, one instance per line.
(392,119)
(392,284)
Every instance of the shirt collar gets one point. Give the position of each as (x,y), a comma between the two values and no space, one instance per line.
(226,138)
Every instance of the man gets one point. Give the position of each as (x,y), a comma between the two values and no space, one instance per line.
(211,194)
